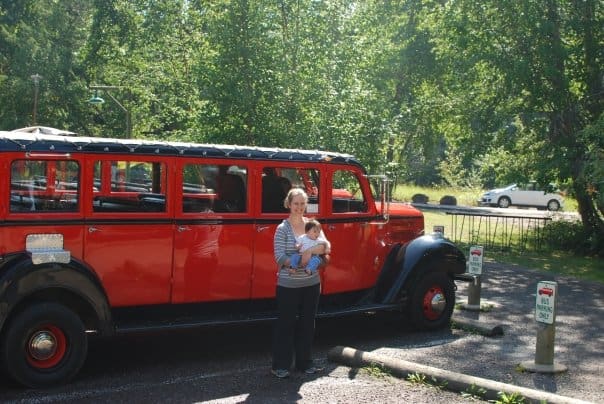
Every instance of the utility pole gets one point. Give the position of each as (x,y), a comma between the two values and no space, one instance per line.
(36,78)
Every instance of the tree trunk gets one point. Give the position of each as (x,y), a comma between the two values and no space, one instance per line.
(593,225)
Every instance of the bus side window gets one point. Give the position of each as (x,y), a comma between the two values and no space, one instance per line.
(198,188)
(231,189)
(129,186)
(216,188)
(44,186)
(307,179)
(347,195)
(274,190)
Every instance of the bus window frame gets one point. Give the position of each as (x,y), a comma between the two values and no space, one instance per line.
(6,193)
(179,195)
(91,160)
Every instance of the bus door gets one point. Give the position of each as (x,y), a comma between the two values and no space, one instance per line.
(128,241)
(213,235)
(348,228)
(274,184)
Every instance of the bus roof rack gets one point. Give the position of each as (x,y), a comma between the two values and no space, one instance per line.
(44,130)
(44,139)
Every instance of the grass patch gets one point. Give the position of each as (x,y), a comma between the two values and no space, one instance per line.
(466,197)
(458,326)
(513,398)
(474,392)
(555,262)
(377,370)
(420,378)
(417,378)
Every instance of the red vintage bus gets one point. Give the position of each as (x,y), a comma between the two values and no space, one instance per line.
(113,236)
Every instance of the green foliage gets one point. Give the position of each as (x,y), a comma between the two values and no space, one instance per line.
(149,50)
(524,99)
(593,171)
(512,398)
(565,235)
(377,370)
(420,378)
(466,94)
(42,37)
(474,391)
(417,378)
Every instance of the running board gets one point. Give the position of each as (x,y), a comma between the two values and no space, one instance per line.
(186,323)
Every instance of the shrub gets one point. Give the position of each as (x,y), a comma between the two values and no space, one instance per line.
(448,200)
(419,198)
(565,235)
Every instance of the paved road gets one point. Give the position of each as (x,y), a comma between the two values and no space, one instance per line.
(230,364)
(522,212)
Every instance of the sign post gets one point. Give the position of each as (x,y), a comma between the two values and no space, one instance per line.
(545,316)
(475,269)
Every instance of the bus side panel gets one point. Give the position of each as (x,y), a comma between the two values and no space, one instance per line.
(265,268)
(133,261)
(212,262)
(13,236)
(352,266)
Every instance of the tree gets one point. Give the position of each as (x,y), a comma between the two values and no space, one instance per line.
(42,37)
(148,49)
(460,92)
(538,62)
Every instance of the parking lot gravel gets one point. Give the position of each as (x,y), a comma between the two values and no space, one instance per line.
(508,294)
(508,299)
(231,364)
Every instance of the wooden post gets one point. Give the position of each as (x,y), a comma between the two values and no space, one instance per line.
(545,315)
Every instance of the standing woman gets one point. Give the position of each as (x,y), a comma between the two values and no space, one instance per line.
(297,292)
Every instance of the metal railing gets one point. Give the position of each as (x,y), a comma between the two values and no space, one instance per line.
(499,231)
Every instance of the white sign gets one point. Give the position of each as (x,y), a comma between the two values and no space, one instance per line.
(545,309)
(475,260)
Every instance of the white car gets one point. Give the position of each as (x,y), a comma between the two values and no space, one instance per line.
(522,195)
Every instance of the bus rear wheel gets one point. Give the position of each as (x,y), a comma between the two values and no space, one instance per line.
(44,345)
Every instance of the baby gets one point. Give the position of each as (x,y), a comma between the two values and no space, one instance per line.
(306,241)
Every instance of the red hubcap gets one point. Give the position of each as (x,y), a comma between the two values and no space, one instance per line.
(434,302)
(46,347)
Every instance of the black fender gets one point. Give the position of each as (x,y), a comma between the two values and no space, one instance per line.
(20,279)
(405,261)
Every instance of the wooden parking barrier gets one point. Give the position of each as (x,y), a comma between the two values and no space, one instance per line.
(452,380)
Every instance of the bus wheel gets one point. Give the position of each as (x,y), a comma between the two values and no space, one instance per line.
(44,345)
(432,301)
